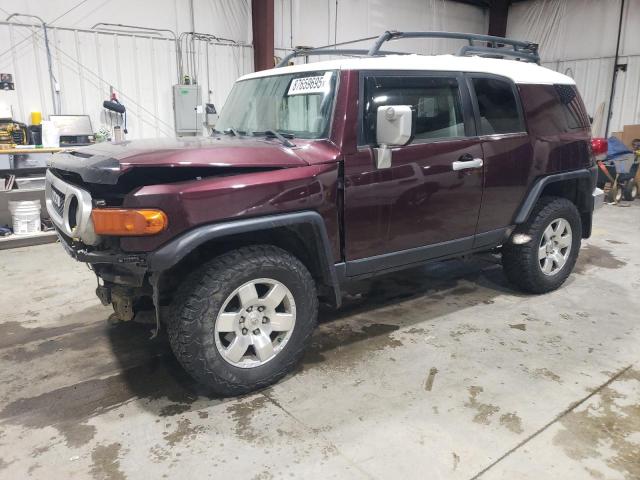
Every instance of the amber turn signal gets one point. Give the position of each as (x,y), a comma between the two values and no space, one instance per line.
(119,221)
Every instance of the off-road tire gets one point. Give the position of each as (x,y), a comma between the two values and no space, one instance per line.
(520,260)
(631,190)
(202,294)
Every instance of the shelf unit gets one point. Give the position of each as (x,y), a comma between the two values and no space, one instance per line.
(26,240)
(21,167)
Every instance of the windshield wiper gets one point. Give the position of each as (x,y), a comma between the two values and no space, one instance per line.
(278,135)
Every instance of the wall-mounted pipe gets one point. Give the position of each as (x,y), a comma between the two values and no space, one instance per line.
(615,71)
(131,29)
(52,78)
(189,39)
(159,31)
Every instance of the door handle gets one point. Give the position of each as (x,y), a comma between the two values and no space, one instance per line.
(466,162)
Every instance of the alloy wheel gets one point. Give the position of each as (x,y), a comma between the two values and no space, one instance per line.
(555,246)
(255,323)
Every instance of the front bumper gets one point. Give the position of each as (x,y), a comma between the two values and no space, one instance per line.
(82,254)
(110,265)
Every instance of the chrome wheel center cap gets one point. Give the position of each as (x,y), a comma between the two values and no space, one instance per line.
(254,319)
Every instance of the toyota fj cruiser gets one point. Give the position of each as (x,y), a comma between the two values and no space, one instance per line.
(328,172)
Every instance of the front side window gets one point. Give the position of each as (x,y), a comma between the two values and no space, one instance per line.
(497,107)
(297,104)
(436,101)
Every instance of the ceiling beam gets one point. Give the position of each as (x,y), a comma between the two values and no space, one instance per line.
(498,15)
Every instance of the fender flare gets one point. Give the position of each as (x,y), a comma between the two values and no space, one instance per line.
(171,253)
(535,192)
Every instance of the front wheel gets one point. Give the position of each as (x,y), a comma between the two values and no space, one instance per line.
(242,321)
(543,251)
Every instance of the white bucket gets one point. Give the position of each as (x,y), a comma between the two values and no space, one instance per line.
(26,216)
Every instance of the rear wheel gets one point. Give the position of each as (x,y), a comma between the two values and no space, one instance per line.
(547,248)
(242,321)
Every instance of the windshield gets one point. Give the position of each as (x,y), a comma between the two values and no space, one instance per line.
(298,104)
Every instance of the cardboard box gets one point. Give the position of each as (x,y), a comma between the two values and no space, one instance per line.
(629,133)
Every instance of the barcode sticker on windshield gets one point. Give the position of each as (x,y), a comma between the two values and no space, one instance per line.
(308,85)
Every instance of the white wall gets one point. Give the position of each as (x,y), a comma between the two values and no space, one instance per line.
(578,37)
(141,68)
(313,22)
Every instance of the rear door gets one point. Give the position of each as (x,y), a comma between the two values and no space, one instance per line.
(507,153)
(420,207)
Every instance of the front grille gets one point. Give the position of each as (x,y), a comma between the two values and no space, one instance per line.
(57,200)
(69,207)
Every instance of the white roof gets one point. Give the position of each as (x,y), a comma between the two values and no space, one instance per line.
(519,72)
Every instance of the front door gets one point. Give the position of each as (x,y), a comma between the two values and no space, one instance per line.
(426,204)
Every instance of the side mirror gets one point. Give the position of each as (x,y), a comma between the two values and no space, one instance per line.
(394,127)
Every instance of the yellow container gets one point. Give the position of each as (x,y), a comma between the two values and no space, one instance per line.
(36,118)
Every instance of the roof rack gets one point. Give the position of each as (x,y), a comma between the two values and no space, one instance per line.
(496,47)
(518,49)
(306,52)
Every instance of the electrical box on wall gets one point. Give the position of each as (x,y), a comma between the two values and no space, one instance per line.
(187,109)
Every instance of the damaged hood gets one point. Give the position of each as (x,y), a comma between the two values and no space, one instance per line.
(106,162)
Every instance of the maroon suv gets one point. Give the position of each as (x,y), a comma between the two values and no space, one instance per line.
(323,173)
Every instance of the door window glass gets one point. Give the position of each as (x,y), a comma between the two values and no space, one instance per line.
(497,107)
(436,101)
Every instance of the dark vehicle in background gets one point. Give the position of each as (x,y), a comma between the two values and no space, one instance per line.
(325,173)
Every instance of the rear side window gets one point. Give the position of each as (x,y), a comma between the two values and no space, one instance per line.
(553,109)
(436,101)
(570,107)
(497,107)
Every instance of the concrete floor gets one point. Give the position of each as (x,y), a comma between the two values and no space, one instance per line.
(439,372)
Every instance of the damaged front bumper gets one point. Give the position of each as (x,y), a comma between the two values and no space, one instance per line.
(106,256)
(125,279)
(112,266)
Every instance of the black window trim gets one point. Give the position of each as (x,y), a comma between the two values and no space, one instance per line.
(466,105)
(476,109)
